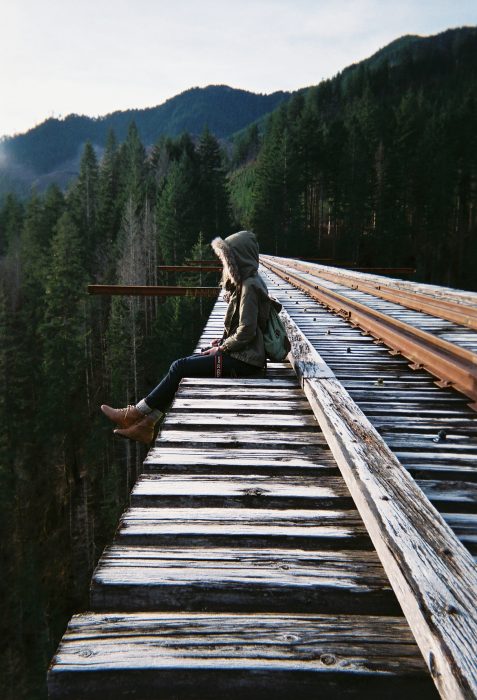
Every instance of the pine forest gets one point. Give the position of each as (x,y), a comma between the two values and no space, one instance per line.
(376,167)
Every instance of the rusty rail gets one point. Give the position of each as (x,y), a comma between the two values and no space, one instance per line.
(203,262)
(451,364)
(152,291)
(189,268)
(379,270)
(442,308)
(351,265)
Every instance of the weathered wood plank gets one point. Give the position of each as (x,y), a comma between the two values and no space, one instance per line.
(229,405)
(235,439)
(460,496)
(408,397)
(454,443)
(398,434)
(465,527)
(232,579)
(265,460)
(432,574)
(235,491)
(457,461)
(170,655)
(248,526)
(425,423)
(428,470)
(203,393)
(250,455)
(241,382)
(244,418)
(409,410)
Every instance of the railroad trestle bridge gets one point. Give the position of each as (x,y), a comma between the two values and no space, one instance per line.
(313,530)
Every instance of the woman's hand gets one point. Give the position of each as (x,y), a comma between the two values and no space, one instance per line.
(211,351)
(216,342)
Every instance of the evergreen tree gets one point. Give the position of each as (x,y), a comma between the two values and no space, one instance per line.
(63,331)
(213,215)
(53,207)
(246,146)
(269,214)
(83,200)
(33,257)
(108,210)
(11,218)
(177,210)
(134,170)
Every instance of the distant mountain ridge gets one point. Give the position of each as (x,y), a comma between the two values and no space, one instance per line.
(437,47)
(50,152)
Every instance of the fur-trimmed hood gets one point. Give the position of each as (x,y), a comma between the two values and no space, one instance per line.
(238,254)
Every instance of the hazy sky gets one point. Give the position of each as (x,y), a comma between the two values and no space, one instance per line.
(96,56)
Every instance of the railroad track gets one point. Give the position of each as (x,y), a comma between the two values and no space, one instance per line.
(429,426)
(430,340)
(450,304)
(280,526)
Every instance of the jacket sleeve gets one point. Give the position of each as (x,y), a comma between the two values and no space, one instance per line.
(248,322)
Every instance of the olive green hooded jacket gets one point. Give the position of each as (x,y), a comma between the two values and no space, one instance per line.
(247,294)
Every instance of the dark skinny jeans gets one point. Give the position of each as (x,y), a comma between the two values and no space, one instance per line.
(195,366)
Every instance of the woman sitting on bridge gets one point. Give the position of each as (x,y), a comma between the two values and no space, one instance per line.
(239,353)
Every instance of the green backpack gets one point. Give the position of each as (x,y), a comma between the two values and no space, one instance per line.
(277,345)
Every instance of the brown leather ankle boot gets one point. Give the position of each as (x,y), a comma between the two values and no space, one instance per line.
(142,431)
(124,417)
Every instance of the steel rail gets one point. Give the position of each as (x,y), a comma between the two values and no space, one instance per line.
(441,308)
(379,270)
(203,262)
(451,364)
(191,269)
(461,296)
(152,291)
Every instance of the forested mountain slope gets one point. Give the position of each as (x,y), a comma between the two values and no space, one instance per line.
(64,479)
(50,152)
(377,166)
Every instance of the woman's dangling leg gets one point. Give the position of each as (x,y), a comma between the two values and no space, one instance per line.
(157,401)
(192,366)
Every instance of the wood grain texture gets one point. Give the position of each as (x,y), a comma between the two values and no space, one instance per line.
(298,440)
(239,383)
(247,526)
(232,420)
(235,656)
(248,404)
(238,579)
(240,491)
(256,460)
(434,577)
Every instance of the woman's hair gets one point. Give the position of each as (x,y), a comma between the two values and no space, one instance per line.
(231,277)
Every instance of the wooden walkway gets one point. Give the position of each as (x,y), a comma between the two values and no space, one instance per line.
(241,568)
